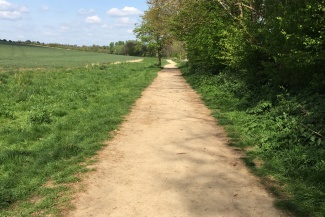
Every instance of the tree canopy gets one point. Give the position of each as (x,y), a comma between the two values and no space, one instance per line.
(277,40)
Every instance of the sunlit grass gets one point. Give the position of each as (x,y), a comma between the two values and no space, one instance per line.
(52,120)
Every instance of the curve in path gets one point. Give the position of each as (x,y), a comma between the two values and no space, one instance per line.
(170,158)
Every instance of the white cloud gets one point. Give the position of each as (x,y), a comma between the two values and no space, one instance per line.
(124,20)
(50,34)
(45,8)
(64,28)
(106,26)
(126,11)
(93,19)
(4,4)
(11,11)
(84,11)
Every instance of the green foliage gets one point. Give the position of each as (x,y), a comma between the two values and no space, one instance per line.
(265,41)
(293,38)
(152,30)
(52,120)
(129,48)
(39,116)
(202,35)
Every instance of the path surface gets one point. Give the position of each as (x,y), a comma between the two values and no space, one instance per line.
(129,61)
(168,159)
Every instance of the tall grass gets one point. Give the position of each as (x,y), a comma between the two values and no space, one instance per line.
(53,119)
(281,132)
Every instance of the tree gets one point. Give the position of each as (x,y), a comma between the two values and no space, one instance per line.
(201,25)
(153,30)
(175,49)
(111,47)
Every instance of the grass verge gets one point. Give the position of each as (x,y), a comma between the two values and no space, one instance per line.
(51,121)
(282,134)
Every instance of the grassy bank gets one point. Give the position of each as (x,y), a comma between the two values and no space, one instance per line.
(52,120)
(282,133)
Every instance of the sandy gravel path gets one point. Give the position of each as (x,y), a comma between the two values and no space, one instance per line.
(168,159)
(129,61)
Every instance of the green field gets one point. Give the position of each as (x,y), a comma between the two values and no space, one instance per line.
(21,55)
(52,119)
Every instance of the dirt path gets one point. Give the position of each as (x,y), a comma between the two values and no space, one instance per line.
(169,158)
(129,61)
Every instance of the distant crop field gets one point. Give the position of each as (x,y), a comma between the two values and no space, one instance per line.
(29,56)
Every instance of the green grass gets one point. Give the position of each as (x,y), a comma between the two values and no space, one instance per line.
(26,56)
(283,139)
(52,119)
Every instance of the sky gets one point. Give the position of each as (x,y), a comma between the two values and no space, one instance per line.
(74,22)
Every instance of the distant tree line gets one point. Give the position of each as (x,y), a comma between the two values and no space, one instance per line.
(92,48)
(128,48)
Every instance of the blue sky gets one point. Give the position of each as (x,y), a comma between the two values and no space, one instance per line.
(80,22)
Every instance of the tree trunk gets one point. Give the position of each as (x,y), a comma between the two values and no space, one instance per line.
(159,57)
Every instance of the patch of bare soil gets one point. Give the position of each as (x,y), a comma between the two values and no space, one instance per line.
(170,158)
(130,61)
